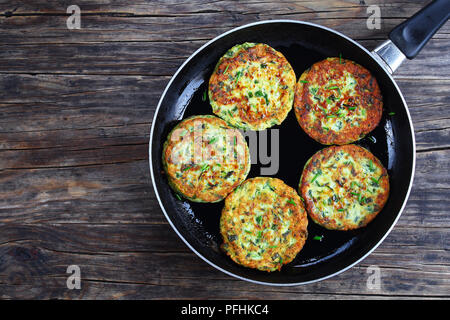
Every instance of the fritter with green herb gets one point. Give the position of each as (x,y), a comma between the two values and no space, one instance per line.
(205,159)
(263,224)
(344,187)
(252,87)
(337,101)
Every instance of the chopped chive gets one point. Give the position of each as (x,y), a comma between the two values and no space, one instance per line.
(340,58)
(259,220)
(315,177)
(355,194)
(258,93)
(291,201)
(323,110)
(185,168)
(225,71)
(371,167)
(212,140)
(391,113)
(304,81)
(204,96)
(349,106)
(318,238)
(353,183)
(326,128)
(204,167)
(178,196)
(375,181)
(341,210)
(332,88)
(238,75)
(372,138)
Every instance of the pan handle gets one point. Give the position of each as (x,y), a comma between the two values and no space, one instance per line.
(408,38)
(412,35)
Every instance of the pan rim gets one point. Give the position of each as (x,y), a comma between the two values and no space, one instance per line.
(278,284)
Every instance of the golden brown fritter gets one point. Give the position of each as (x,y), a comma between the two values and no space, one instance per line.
(263,224)
(205,159)
(344,187)
(337,101)
(252,87)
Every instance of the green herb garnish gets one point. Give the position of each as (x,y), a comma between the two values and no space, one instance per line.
(371,167)
(318,238)
(315,177)
(291,201)
(323,110)
(212,140)
(238,75)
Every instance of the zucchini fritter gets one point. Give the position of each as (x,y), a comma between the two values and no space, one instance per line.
(252,87)
(344,187)
(263,224)
(337,101)
(205,159)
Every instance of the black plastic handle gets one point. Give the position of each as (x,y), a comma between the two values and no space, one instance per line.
(412,35)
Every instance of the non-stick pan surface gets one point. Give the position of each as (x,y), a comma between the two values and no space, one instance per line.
(392,142)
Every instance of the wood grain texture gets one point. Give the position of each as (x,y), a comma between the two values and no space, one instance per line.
(76,109)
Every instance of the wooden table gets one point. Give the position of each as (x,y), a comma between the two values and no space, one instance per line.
(76,108)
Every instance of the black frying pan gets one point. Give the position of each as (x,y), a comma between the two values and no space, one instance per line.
(392,141)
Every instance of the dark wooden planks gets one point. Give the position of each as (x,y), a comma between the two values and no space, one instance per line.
(136,257)
(196,20)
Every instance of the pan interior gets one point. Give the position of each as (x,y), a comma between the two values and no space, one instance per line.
(392,142)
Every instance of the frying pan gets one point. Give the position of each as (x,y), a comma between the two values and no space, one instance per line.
(303,44)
